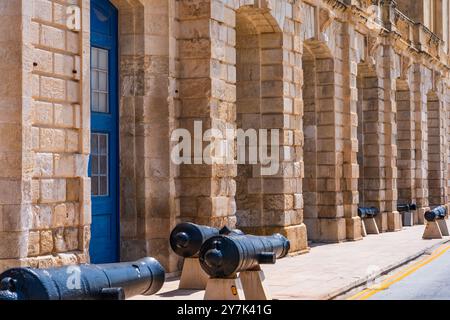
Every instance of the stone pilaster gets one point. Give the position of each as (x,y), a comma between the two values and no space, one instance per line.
(371,155)
(405,143)
(15,180)
(267,64)
(421,84)
(390,133)
(325,223)
(207,93)
(350,130)
(437,150)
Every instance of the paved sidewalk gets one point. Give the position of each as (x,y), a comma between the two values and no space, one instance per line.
(330,269)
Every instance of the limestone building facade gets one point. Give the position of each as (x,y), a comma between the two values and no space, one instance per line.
(92,91)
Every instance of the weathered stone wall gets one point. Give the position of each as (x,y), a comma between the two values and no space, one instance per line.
(51,138)
(362,111)
(60,190)
(14,204)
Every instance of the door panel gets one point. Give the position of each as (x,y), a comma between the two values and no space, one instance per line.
(104,162)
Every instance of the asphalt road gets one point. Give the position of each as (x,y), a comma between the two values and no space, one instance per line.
(428,281)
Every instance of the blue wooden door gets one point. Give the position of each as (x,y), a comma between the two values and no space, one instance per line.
(104,162)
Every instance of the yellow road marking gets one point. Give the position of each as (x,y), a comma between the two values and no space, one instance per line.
(367,293)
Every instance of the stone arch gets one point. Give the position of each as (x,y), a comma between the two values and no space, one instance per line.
(15,146)
(211,59)
(420,84)
(268,86)
(259,87)
(275,10)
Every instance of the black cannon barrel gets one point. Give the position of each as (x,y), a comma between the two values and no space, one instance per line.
(364,212)
(406,207)
(436,213)
(83,282)
(187,238)
(224,256)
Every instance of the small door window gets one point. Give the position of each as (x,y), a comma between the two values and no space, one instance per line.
(99,164)
(99,80)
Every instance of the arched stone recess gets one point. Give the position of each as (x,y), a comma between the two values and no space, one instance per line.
(437,149)
(147,209)
(259,88)
(377,130)
(336,111)
(219,89)
(406,121)
(370,157)
(323,146)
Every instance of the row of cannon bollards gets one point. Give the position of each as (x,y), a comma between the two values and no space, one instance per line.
(368,222)
(225,263)
(435,225)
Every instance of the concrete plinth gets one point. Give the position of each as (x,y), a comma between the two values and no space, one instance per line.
(394,220)
(408,219)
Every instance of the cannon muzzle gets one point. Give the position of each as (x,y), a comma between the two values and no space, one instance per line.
(115,281)
(223,256)
(368,212)
(436,214)
(187,238)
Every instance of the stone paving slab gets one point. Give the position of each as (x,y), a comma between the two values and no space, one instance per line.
(329,270)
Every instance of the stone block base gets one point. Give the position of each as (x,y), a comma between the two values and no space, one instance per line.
(312,225)
(353,228)
(297,235)
(327,230)
(394,220)
(420,215)
(416,217)
(408,219)
(382,221)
